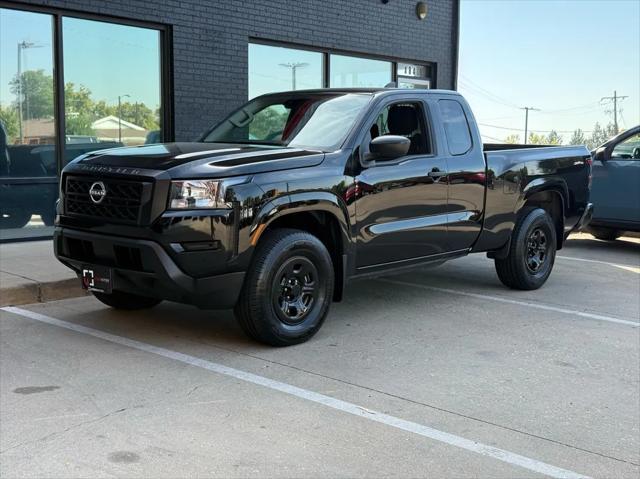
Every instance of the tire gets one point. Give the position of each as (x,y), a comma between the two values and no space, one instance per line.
(605,234)
(126,301)
(532,251)
(288,289)
(14,218)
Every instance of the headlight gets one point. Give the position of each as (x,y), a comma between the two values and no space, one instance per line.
(191,194)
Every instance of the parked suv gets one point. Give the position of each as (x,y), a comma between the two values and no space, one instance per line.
(616,186)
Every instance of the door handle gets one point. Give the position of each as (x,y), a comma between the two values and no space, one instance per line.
(436,173)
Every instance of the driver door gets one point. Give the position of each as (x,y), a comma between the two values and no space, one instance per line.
(616,181)
(401,205)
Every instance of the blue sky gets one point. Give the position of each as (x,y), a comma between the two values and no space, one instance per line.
(108,59)
(559,56)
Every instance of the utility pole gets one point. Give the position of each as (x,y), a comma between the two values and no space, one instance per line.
(615,99)
(294,66)
(120,116)
(23,45)
(526,120)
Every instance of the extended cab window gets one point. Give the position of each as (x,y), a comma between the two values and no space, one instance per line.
(403,119)
(316,121)
(456,127)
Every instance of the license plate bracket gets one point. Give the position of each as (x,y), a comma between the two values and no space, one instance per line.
(96,278)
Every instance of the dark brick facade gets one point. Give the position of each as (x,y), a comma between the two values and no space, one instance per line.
(210,39)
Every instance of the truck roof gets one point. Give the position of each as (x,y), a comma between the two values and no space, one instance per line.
(375,91)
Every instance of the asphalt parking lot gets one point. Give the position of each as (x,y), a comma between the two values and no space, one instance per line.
(434,373)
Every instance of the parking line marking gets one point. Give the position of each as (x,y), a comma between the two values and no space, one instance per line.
(626,267)
(337,404)
(546,307)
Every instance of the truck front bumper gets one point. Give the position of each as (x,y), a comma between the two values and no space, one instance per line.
(143,267)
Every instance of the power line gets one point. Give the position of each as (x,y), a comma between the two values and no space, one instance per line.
(533,131)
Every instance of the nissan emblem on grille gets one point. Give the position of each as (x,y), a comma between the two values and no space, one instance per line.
(97,192)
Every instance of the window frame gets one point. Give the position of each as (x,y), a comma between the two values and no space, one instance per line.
(327,52)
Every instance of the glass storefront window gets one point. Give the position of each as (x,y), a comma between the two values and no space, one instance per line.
(112,97)
(28,166)
(273,69)
(116,101)
(349,72)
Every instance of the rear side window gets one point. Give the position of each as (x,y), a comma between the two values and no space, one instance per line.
(456,127)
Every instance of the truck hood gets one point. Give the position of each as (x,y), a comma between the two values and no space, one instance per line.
(194,160)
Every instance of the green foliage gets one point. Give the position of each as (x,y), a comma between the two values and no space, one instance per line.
(512,139)
(578,138)
(37,94)
(553,138)
(268,123)
(81,110)
(536,139)
(9,118)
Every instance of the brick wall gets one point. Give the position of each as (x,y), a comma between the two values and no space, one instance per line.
(210,40)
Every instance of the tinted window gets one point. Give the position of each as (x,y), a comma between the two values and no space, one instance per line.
(112,85)
(347,72)
(403,119)
(273,69)
(27,124)
(456,127)
(629,149)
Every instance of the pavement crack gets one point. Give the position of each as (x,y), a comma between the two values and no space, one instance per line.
(63,431)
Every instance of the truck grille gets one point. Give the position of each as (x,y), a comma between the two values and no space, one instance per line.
(122,201)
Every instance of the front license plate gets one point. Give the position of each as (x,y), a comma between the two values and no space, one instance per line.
(96,278)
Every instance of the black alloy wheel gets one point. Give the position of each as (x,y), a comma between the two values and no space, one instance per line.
(294,289)
(288,288)
(532,251)
(537,248)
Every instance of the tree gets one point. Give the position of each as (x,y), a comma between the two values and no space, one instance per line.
(553,138)
(512,139)
(536,139)
(80,110)
(578,138)
(37,94)
(9,119)
(598,137)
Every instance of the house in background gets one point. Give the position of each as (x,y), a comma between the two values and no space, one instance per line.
(112,128)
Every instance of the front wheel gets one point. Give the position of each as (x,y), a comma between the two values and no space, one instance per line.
(605,234)
(532,251)
(288,289)
(127,301)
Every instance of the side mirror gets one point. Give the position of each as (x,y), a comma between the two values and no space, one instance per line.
(602,154)
(389,147)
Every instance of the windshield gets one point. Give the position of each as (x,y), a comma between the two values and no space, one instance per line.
(317,121)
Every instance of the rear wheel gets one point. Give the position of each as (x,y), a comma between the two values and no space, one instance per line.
(288,290)
(14,218)
(128,301)
(605,234)
(532,251)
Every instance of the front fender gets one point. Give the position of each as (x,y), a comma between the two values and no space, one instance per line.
(304,202)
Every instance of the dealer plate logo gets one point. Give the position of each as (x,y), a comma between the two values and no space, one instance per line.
(97,192)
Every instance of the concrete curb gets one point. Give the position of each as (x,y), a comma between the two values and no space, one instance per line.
(36,292)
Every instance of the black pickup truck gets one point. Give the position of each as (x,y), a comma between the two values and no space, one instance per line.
(294,194)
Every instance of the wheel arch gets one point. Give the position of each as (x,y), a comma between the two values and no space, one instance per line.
(553,198)
(319,213)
